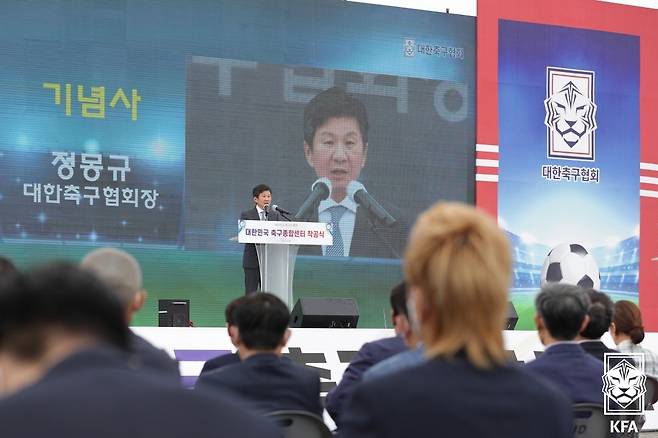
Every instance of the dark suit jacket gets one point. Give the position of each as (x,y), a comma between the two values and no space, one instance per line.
(149,358)
(573,371)
(266,383)
(368,355)
(249,256)
(94,393)
(596,348)
(385,242)
(452,398)
(220,361)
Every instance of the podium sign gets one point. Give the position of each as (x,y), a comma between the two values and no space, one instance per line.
(287,233)
(276,245)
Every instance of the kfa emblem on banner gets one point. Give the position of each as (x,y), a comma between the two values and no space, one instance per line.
(624,389)
(409,47)
(624,383)
(570,113)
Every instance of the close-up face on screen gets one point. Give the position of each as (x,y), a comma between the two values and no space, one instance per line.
(289,126)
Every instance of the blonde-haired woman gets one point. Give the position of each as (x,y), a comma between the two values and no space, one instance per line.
(458,266)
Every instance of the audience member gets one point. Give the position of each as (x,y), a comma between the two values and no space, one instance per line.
(122,274)
(458,268)
(561,313)
(406,359)
(7,267)
(62,372)
(370,354)
(263,379)
(231,328)
(627,331)
(600,318)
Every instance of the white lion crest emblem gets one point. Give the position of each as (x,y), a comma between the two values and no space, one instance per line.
(624,383)
(570,114)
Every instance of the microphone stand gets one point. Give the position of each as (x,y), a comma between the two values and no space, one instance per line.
(376,232)
(309,214)
(285,216)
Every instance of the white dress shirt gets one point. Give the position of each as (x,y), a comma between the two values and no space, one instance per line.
(260,213)
(346,223)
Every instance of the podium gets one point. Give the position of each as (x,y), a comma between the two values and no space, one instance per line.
(277,243)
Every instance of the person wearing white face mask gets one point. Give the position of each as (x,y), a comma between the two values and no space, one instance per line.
(407,359)
(372,353)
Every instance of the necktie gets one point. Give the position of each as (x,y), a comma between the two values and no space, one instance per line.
(262,216)
(336,250)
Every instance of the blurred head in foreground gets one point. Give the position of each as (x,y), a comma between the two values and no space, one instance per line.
(402,322)
(7,267)
(48,314)
(121,273)
(458,267)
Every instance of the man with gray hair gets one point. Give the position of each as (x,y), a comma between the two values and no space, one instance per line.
(561,313)
(122,274)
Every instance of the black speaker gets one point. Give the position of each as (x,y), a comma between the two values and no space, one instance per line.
(173,313)
(325,313)
(512,316)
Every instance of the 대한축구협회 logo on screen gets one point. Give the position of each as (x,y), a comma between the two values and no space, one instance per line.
(624,389)
(409,47)
(570,113)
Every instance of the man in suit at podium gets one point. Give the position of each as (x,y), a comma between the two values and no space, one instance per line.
(336,147)
(262,199)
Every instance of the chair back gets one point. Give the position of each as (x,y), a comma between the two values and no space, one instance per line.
(300,424)
(589,421)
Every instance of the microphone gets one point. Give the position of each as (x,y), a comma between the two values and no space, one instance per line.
(266,209)
(320,190)
(280,210)
(358,194)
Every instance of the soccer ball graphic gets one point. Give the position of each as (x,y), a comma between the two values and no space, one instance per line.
(571,263)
